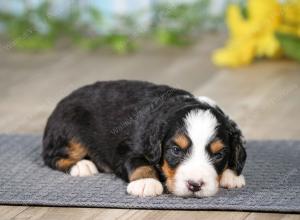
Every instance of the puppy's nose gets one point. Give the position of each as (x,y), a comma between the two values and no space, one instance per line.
(194,186)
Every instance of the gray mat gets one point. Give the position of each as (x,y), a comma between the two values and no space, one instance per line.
(272,176)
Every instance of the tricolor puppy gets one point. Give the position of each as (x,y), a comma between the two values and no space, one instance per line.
(149,135)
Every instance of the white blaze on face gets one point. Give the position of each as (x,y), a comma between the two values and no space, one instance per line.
(207,100)
(197,166)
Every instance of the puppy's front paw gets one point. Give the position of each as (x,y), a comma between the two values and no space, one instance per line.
(230,180)
(145,187)
(84,168)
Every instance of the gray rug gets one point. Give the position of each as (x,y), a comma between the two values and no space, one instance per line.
(272,176)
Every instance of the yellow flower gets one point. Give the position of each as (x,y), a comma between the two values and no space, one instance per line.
(252,36)
(288,29)
(237,25)
(234,54)
(291,12)
(290,18)
(268,46)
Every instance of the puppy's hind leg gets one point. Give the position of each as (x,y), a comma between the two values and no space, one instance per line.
(70,158)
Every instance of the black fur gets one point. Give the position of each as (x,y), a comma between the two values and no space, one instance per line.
(126,124)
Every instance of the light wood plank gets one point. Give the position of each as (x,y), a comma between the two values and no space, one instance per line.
(259,97)
(32,213)
(31,91)
(174,215)
(9,212)
(53,213)
(272,216)
(291,217)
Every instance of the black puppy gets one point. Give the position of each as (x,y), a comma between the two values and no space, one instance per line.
(147,135)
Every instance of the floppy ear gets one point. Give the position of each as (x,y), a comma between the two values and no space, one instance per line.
(148,140)
(238,155)
(153,146)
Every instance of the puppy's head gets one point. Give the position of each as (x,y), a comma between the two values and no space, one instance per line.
(197,148)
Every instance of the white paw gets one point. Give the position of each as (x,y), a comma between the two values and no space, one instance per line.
(84,168)
(230,180)
(145,187)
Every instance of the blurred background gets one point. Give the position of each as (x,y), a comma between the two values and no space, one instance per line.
(244,54)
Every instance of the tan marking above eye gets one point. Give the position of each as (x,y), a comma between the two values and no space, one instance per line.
(182,141)
(216,146)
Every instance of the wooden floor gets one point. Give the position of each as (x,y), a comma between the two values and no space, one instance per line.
(263,98)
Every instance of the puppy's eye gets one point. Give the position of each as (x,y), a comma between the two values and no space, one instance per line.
(176,150)
(218,156)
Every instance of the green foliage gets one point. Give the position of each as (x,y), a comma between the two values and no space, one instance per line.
(170,37)
(120,43)
(290,45)
(37,30)
(24,33)
(176,23)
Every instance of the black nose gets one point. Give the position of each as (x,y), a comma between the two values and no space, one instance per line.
(194,186)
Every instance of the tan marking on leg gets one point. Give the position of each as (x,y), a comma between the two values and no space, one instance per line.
(182,141)
(169,174)
(143,172)
(64,164)
(76,152)
(216,146)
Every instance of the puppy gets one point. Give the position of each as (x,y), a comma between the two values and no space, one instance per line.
(149,135)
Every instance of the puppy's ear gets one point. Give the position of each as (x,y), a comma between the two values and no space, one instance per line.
(153,147)
(238,155)
(148,140)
